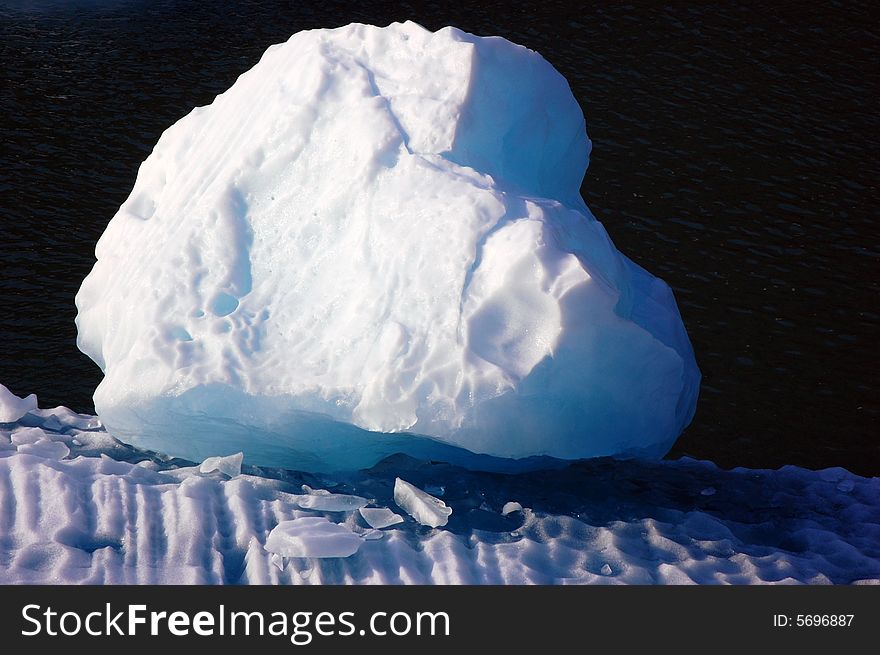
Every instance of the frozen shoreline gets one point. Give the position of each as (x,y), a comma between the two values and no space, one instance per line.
(78,506)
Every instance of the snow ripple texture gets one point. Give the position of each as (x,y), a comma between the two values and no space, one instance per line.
(98,511)
(374,242)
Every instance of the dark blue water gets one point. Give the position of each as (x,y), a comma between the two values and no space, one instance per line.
(735,155)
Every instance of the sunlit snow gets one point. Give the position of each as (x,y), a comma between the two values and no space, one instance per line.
(110,513)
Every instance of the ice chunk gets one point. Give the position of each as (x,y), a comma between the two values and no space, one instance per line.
(510,507)
(322,500)
(229,465)
(12,407)
(312,536)
(380,517)
(273,284)
(606,569)
(277,561)
(423,507)
(708,491)
(23,436)
(34,441)
(63,417)
(45,448)
(373,535)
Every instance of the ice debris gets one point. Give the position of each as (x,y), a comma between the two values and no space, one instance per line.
(312,536)
(12,407)
(229,465)
(423,507)
(380,517)
(322,500)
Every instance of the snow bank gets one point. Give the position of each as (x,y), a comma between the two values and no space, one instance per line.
(374,242)
(109,513)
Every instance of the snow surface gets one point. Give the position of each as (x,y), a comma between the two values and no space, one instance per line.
(374,242)
(111,513)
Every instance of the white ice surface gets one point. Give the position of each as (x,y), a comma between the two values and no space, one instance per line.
(312,537)
(374,242)
(110,513)
(422,506)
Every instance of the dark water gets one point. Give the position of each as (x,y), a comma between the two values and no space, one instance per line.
(735,155)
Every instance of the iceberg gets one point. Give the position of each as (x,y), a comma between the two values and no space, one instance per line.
(374,242)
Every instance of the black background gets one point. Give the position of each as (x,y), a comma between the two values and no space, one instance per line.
(734,155)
